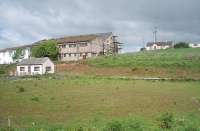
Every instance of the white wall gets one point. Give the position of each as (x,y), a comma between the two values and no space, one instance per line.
(32,71)
(46,64)
(6,57)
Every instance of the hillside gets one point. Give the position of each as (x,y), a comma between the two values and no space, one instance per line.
(172,58)
(171,63)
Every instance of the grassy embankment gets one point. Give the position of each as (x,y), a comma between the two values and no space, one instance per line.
(183,63)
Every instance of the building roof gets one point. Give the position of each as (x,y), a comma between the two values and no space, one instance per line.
(14,48)
(67,39)
(83,38)
(168,43)
(33,61)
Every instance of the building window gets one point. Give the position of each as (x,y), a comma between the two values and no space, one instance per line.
(36,68)
(62,46)
(65,55)
(75,54)
(48,68)
(22,68)
(70,55)
(94,54)
(83,44)
(72,45)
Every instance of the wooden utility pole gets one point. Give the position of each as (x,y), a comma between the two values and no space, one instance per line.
(155,34)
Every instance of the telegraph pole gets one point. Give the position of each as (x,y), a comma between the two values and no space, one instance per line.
(155,34)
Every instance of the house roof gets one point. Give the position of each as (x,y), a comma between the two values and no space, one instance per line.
(33,61)
(169,43)
(83,38)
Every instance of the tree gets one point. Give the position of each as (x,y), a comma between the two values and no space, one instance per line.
(181,45)
(46,49)
(18,53)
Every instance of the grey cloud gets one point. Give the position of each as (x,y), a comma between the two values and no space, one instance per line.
(26,21)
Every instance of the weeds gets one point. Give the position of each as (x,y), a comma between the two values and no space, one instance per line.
(36,99)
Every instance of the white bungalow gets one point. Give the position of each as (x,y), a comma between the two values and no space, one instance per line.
(35,66)
(159,45)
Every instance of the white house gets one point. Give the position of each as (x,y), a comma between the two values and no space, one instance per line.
(194,45)
(159,45)
(35,66)
(6,55)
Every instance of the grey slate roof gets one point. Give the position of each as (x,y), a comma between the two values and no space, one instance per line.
(33,61)
(83,38)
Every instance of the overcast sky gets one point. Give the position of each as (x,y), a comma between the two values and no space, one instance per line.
(26,21)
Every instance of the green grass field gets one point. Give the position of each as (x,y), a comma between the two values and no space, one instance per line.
(188,58)
(80,100)
(71,101)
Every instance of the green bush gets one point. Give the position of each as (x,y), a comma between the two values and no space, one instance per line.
(2,71)
(113,126)
(36,99)
(166,121)
(21,89)
(181,45)
(46,49)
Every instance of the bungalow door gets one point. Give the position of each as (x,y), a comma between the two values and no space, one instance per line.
(84,57)
(29,70)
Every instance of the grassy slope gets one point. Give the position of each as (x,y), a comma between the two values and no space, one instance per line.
(171,58)
(72,100)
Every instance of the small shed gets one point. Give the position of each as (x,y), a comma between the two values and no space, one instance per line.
(35,66)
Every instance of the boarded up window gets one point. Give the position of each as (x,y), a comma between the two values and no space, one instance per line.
(36,68)
(22,68)
(48,68)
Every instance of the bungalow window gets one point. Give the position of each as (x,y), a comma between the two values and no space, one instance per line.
(36,68)
(48,68)
(22,68)
(70,55)
(72,45)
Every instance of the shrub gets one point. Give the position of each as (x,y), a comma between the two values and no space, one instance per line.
(35,99)
(166,121)
(80,129)
(134,69)
(113,126)
(21,89)
(2,71)
(181,45)
(133,125)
